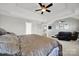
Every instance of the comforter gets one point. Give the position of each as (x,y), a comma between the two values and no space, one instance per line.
(28,45)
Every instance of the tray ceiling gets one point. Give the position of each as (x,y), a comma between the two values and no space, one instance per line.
(27,11)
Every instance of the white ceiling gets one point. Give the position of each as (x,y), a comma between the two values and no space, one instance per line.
(27,11)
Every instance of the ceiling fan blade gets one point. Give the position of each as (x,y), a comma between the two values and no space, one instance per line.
(49,5)
(48,10)
(38,10)
(40,4)
(42,12)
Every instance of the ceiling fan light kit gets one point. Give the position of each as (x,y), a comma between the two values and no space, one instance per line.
(44,8)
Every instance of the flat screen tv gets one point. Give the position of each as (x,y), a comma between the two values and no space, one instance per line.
(49,27)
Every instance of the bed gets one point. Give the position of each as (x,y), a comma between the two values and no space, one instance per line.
(29,45)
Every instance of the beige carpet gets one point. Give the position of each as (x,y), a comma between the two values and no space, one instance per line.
(70,48)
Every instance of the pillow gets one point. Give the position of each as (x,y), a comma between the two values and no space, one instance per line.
(2,31)
(8,45)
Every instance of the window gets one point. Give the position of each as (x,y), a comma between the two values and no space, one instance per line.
(62,25)
(28,27)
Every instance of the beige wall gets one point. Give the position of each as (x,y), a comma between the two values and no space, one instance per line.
(12,24)
(37,28)
(17,25)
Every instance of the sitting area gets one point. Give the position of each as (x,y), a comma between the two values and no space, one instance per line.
(67,36)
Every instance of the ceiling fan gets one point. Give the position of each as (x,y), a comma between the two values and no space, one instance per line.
(44,8)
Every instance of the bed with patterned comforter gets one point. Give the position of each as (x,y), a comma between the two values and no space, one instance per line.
(29,45)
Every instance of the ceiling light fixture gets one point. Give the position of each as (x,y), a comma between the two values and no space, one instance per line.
(44,7)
